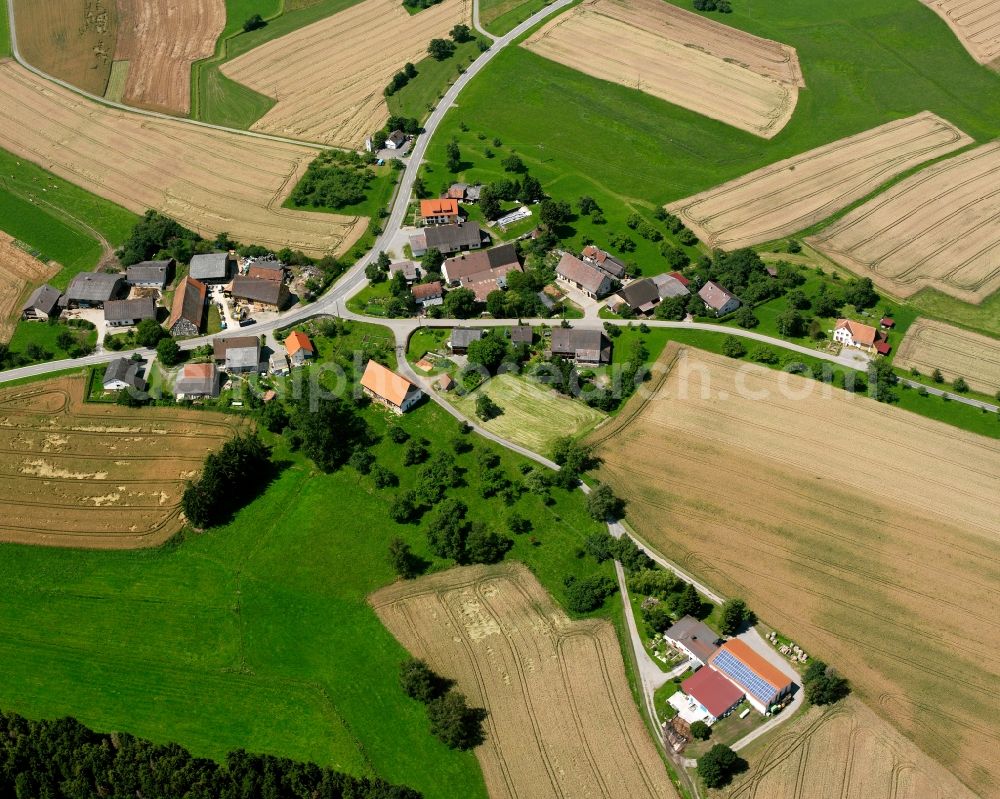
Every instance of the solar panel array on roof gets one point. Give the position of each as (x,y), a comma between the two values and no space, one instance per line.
(725,662)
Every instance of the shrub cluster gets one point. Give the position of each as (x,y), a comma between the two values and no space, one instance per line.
(452,721)
(229,479)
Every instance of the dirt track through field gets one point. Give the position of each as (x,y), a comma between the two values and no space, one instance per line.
(938,228)
(721,72)
(562,719)
(19,272)
(328,77)
(844,752)
(976,23)
(96,475)
(930,345)
(209,180)
(866,533)
(793,194)
(160,39)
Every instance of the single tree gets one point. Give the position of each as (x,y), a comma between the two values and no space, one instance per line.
(440,49)
(419,681)
(254,23)
(486,408)
(688,603)
(148,333)
(603,505)
(168,352)
(461,33)
(960,385)
(735,616)
(700,730)
(719,765)
(732,347)
(454,722)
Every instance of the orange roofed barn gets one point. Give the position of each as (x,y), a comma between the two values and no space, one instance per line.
(386,387)
(299,347)
(439,212)
(763,682)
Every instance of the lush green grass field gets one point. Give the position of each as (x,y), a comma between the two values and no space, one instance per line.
(53,216)
(4,34)
(418,97)
(376,197)
(45,335)
(502,16)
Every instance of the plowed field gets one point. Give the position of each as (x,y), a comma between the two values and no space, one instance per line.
(160,39)
(866,533)
(328,77)
(931,345)
(209,180)
(938,228)
(721,72)
(101,476)
(18,272)
(976,23)
(793,194)
(562,721)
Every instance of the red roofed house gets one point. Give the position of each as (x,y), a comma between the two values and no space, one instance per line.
(428,293)
(763,683)
(439,212)
(588,278)
(387,388)
(299,348)
(680,277)
(855,334)
(713,694)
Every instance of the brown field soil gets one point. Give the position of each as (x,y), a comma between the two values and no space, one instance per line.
(73,40)
(328,77)
(209,180)
(19,273)
(938,228)
(161,39)
(562,721)
(976,23)
(866,533)
(844,752)
(658,48)
(102,476)
(793,194)
(930,345)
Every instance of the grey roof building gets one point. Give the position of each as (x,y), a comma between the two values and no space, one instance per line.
(93,288)
(120,313)
(455,237)
(43,303)
(410,270)
(462,337)
(670,286)
(150,274)
(586,277)
(212,266)
(237,354)
(640,295)
(585,346)
(123,373)
(197,380)
(521,334)
(693,637)
(260,291)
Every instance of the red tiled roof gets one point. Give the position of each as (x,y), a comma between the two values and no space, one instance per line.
(296,341)
(716,694)
(444,207)
(883,347)
(887,321)
(386,383)
(427,291)
(681,278)
(861,333)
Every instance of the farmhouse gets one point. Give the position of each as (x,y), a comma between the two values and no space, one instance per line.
(427,294)
(197,380)
(475,266)
(582,346)
(410,270)
(717,299)
(388,388)
(693,638)
(150,274)
(604,261)
(238,354)
(396,140)
(300,349)
(265,295)
(268,270)
(462,337)
(860,336)
(439,212)
(763,683)
(277,364)
(521,334)
(671,285)
(641,296)
(188,309)
(123,373)
(42,304)
(588,278)
(125,313)
(93,289)
(212,267)
(448,238)
(709,695)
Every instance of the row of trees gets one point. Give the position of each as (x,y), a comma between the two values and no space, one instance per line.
(63,759)
(451,719)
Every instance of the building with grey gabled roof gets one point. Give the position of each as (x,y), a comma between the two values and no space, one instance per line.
(150,274)
(122,313)
(212,267)
(462,337)
(42,304)
(93,289)
(237,354)
(453,238)
(123,373)
(582,346)
(588,278)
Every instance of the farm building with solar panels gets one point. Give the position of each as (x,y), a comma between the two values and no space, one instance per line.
(762,683)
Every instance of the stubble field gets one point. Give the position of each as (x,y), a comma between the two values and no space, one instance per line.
(939,228)
(930,345)
(19,271)
(328,78)
(99,476)
(845,752)
(976,23)
(160,39)
(866,533)
(805,189)
(562,721)
(71,40)
(723,73)
(209,180)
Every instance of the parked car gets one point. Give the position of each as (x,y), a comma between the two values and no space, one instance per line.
(247,321)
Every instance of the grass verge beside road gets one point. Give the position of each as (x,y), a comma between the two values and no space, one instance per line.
(502,16)
(418,97)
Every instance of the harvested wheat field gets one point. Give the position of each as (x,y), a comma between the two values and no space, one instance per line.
(328,77)
(89,475)
(866,533)
(845,752)
(930,345)
(938,228)
(208,180)
(73,40)
(19,272)
(976,23)
(793,194)
(658,48)
(562,721)
(160,39)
